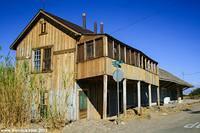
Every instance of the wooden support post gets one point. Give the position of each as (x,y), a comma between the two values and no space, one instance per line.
(158,96)
(124,96)
(149,88)
(105,46)
(105,85)
(139,96)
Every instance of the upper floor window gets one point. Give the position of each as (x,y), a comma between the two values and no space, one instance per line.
(42,59)
(122,56)
(90,49)
(37,60)
(80,52)
(110,48)
(99,47)
(116,51)
(43,27)
(47,59)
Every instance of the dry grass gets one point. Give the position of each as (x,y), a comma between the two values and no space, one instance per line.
(16,97)
(15,94)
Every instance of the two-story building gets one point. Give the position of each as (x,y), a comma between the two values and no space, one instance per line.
(76,63)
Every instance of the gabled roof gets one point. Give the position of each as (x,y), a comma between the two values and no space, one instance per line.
(73,26)
(69,28)
(167,76)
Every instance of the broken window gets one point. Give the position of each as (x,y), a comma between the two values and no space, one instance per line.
(43,103)
(47,59)
(122,56)
(90,50)
(116,51)
(110,48)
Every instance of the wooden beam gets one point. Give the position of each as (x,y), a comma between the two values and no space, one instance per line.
(158,96)
(105,85)
(124,96)
(149,89)
(139,96)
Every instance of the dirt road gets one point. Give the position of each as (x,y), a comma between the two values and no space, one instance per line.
(187,121)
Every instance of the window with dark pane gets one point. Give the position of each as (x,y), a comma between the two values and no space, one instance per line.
(47,59)
(132,58)
(116,51)
(43,103)
(90,49)
(37,60)
(122,56)
(99,47)
(110,48)
(80,52)
(127,56)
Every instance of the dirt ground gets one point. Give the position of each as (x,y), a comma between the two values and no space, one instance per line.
(170,118)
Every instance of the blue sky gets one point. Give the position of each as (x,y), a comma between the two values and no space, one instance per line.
(166,30)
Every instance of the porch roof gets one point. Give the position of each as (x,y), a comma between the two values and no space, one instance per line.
(167,76)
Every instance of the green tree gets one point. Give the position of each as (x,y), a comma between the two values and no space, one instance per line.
(195,92)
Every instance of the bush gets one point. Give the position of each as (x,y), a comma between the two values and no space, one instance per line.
(195,94)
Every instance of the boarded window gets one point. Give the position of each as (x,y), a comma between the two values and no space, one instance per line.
(43,27)
(80,52)
(99,47)
(47,59)
(90,49)
(116,51)
(122,56)
(128,56)
(110,48)
(37,60)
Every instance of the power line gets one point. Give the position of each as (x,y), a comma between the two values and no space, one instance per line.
(195,73)
(141,19)
(135,22)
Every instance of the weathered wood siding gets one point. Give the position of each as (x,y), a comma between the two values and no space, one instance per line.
(133,73)
(63,53)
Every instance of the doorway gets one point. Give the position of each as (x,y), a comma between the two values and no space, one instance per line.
(83,104)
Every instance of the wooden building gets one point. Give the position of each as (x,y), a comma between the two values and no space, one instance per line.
(171,87)
(74,60)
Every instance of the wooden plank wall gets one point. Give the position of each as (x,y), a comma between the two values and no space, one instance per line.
(63,47)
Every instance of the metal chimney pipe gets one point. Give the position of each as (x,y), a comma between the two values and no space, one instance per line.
(84,20)
(101,28)
(95,27)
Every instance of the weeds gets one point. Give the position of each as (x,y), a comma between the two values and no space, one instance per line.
(15,96)
(20,96)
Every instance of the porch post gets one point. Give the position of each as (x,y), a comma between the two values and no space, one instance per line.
(105,85)
(149,88)
(158,96)
(124,96)
(139,95)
